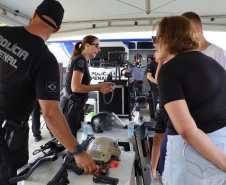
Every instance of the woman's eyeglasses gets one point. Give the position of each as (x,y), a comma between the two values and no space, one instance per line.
(96,44)
(154,39)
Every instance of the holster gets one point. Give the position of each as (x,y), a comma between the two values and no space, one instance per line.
(15,133)
(73,104)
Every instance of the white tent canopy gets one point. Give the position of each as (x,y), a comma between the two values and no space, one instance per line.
(84,17)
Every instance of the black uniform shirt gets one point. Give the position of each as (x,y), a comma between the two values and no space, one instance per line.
(28,70)
(201,81)
(151,68)
(78,63)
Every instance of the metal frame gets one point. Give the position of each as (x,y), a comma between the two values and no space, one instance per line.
(143,151)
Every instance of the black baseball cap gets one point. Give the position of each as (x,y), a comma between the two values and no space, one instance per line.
(52,9)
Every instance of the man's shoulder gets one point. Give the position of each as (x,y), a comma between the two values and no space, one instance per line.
(2,28)
(8,29)
(42,55)
(214,49)
(215,52)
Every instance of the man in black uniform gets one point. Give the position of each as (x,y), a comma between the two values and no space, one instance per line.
(29,70)
(153,93)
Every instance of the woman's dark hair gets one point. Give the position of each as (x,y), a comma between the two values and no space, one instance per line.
(80,46)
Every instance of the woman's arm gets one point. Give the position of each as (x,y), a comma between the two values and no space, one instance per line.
(185,125)
(157,140)
(150,78)
(160,63)
(77,86)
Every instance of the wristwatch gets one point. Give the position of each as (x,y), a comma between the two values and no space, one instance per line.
(78,150)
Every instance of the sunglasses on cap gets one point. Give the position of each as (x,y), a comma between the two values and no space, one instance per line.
(96,44)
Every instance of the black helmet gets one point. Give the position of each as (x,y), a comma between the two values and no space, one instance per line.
(104,121)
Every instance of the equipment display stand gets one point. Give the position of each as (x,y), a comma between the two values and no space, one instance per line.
(114,101)
(118,100)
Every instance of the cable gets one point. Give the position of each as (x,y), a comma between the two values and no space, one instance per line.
(131,5)
(163,5)
(143,9)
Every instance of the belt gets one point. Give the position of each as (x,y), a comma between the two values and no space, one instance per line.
(16,119)
(67,95)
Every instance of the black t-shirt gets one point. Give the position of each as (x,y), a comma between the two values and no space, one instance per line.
(78,63)
(201,81)
(28,71)
(161,120)
(151,68)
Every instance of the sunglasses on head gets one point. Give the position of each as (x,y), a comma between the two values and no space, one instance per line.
(96,44)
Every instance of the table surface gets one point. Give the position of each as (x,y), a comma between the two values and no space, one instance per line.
(46,171)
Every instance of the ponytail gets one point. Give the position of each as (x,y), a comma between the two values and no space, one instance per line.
(77,50)
(80,46)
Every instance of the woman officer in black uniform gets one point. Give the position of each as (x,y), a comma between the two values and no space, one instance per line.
(78,82)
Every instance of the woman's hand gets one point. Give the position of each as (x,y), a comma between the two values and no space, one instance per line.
(110,84)
(105,87)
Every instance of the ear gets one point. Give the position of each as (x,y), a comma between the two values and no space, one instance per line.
(56,30)
(198,28)
(87,45)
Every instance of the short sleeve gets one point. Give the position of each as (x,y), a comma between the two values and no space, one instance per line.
(79,64)
(220,57)
(152,68)
(169,84)
(47,80)
(149,69)
(161,122)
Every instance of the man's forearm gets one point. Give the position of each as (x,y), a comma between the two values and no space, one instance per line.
(57,124)
(60,129)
